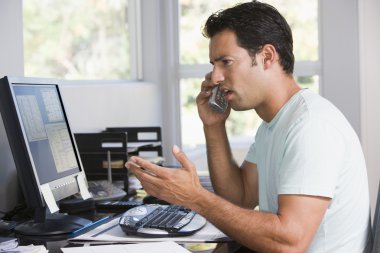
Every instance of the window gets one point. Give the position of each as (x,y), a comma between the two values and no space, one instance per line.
(87,39)
(301,15)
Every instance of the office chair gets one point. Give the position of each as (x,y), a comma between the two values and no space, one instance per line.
(376,225)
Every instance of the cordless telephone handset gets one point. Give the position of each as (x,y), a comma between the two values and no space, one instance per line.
(217,100)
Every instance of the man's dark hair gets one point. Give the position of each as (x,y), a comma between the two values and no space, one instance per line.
(255,24)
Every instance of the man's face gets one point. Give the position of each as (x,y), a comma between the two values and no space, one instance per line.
(241,76)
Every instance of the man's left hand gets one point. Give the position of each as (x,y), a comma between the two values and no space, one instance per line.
(177,186)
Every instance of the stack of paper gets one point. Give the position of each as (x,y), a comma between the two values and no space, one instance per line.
(7,243)
(10,245)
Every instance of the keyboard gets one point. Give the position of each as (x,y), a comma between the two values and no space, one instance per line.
(206,183)
(153,220)
(117,205)
(103,190)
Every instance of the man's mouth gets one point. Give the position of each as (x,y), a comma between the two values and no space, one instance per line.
(226,92)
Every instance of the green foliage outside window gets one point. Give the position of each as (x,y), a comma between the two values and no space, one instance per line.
(86,39)
(301,15)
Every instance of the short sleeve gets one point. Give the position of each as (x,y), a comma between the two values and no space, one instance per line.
(252,155)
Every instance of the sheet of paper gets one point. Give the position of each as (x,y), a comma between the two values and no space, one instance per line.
(7,243)
(27,249)
(82,187)
(49,198)
(60,146)
(111,232)
(156,247)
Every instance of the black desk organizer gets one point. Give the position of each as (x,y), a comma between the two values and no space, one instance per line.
(144,140)
(146,143)
(96,149)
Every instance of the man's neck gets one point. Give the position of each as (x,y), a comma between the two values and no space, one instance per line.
(280,94)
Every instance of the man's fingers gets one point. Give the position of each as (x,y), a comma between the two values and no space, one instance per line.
(182,158)
(130,164)
(147,166)
(148,179)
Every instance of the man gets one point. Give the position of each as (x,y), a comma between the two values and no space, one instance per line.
(305,169)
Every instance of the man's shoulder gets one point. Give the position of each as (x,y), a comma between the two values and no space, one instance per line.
(311,106)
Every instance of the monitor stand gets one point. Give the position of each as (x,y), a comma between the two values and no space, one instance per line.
(51,226)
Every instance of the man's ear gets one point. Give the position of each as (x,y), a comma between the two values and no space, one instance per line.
(269,54)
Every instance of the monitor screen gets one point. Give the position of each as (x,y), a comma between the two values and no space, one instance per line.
(43,148)
(46,131)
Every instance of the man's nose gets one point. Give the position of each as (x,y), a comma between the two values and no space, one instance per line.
(217,76)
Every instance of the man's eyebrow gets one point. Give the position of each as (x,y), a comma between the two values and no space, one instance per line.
(220,58)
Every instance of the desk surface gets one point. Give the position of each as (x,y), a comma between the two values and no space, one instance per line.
(55,245)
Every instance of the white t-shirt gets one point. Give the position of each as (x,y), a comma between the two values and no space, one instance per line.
(309,148)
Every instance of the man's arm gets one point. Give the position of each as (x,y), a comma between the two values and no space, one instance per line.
(238,185)
(291,229)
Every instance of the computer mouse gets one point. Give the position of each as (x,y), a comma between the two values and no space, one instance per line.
(149,199)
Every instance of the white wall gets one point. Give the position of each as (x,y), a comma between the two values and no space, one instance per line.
(93,107)
(339,38)
(11,44)
(369,19)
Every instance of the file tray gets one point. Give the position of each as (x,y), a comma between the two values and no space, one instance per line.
(96,149)
(142,141)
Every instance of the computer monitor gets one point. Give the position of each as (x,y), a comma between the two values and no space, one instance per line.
(44,152)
